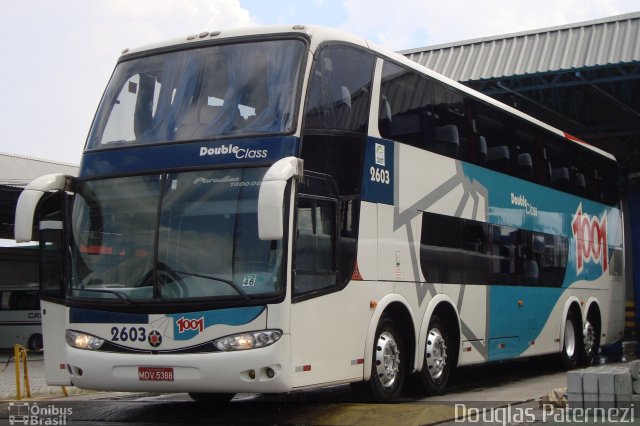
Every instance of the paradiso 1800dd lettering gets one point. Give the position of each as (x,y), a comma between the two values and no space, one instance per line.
(240,153)
(590,234)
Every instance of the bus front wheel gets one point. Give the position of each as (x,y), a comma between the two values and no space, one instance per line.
(388,367)
(437,360)
(35,342)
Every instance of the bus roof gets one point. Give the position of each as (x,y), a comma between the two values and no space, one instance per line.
(318,35)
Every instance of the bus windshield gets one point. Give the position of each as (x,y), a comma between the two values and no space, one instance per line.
(173,236)
(202,93)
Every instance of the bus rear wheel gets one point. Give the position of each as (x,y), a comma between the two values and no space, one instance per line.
(211,397)
(436,368)
(590,342)
(571,342)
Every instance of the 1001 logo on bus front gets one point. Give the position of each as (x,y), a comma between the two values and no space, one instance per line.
(590,234)
(187,324)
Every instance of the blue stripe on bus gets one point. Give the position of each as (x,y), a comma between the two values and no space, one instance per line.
(550,211)
(93,316)
(547,211)
(521,204)
(140,158)
(230,316)
(517,325)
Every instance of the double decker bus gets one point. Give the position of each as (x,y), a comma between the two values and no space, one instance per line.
(271,209)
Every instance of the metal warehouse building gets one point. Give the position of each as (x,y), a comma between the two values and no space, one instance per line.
(19,265)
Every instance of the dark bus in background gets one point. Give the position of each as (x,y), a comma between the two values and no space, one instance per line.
(20,321)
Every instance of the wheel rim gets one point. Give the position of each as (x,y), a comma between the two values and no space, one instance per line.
(589,338)
(436,352)
(569,339)
(387,360)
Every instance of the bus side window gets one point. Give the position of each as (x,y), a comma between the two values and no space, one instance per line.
(406,113)
(24,301)
(315,262)
(454,131)
(464,251)
(338,96)
(494,140)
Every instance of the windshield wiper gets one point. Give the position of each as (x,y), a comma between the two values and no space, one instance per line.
(230,283)
(117,142)
(118,295)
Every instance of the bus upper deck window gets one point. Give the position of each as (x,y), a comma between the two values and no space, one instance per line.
(339,91)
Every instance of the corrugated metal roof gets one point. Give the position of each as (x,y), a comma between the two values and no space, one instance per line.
(613,40)
(18,171)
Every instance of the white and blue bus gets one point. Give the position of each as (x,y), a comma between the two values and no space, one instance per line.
(272,209)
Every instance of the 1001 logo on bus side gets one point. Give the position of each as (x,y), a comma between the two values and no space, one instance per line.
(590,234)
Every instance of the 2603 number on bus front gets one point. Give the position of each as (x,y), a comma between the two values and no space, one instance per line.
(128,334)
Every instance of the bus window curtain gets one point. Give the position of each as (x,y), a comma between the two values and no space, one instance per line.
(280,63)
(183,78)
(239,76)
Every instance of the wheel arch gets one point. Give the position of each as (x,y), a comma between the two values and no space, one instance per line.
(398,307)
(592,310)
(446,309)
(571,305)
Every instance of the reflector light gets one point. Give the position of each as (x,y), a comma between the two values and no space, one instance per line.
(356,276)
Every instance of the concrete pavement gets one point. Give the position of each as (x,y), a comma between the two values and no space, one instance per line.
(505,393)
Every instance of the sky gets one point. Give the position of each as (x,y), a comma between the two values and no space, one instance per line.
(58,55)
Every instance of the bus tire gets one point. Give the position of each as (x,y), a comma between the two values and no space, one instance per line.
(388,368)
(35,342)
(571,341)
(590,342)
(211,397)
(436,368)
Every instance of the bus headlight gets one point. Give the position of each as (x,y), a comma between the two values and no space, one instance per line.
(83,341)
(250,340)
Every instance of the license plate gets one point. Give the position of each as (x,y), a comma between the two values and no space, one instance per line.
(155,374)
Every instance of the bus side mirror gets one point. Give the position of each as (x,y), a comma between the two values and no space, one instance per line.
(29,199)
(271,197)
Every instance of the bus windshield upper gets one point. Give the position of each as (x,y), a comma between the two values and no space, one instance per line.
(174,235)
(202,93)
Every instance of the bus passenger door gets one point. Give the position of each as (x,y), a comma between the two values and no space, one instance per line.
(323,349)
(53,276)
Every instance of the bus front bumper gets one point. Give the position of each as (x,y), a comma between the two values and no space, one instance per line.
(263,370)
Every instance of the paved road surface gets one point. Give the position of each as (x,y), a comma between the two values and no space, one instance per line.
(520,383)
